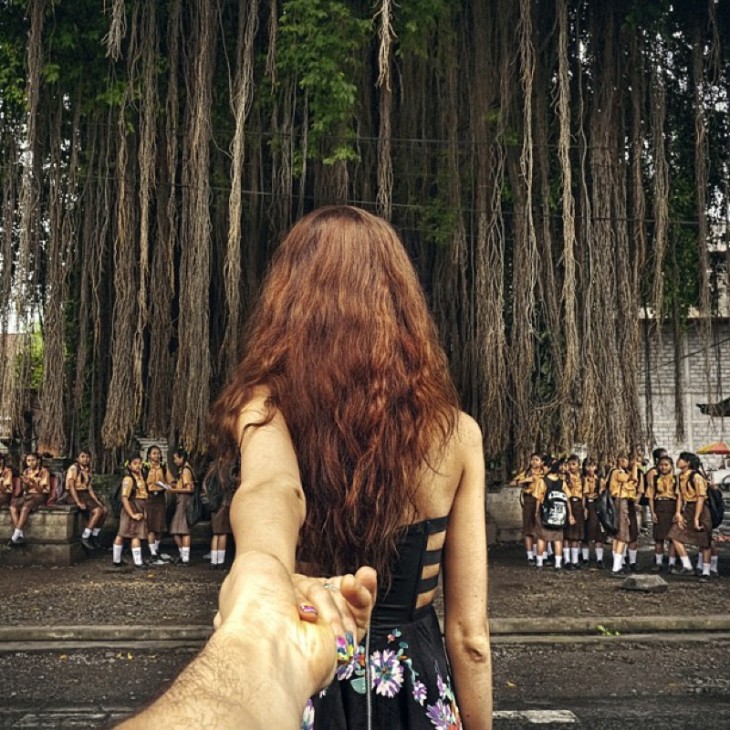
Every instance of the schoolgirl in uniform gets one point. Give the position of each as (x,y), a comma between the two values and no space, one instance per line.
(156,509)
(544,534)
(183,490)
(132,522)
(593,530)
(36,482)
(623,483)
(692,522)
(661,491)
(6,481)
(81,490)
(575,528)
(528,480)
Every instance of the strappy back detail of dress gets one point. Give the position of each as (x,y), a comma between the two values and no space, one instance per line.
(415,573)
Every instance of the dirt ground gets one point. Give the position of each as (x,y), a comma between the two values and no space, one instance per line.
(88,593)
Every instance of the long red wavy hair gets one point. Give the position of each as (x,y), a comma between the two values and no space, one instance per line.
(343,339)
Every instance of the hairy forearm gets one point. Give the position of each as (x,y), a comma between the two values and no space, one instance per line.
(234,682)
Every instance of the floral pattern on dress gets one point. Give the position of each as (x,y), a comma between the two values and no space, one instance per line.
(388,670)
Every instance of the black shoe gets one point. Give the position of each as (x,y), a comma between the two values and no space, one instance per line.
(672,570)
(184,564)
(118,566)
(86,542)
(600,565)
(633,567)
(657,568)
(96,542)
(568,566)
(684,571)
(141,566)
(531,561)
(577,566)
(621,573)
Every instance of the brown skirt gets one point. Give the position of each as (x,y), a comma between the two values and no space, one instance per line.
(220,522)
(5,499)
(179,523)
(156,513)
(664,510)
(31,500)
(593,527)
(575,532)
(628,527)
(689,536)
(528,515)
(133,529)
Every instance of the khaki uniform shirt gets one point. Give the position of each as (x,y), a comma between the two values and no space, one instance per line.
(6,480)
(573,486)
(140,487)
(692,489)
(622,488)
(528,480)
(590,487)
(186,480)
(154,475)
(40,478)
(78,478)
(663,487)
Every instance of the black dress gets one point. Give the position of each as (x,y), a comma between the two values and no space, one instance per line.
(410,682)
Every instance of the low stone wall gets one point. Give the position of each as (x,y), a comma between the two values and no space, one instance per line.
(52,537)
(504,515)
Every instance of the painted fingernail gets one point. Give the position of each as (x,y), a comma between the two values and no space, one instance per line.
(308,608)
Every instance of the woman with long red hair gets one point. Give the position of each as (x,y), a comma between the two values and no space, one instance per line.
(353,452)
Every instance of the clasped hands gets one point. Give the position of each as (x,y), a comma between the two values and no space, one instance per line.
(302,620)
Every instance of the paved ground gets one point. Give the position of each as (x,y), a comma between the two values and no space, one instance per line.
(677,680)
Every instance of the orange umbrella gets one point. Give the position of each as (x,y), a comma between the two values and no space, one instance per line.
(717,447)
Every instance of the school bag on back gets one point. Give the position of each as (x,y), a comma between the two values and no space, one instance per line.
(555,505)
(115,501)
(606,509)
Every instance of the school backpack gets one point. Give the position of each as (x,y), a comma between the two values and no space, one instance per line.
(196,511)
(716,505)
(115,501)
(555,505)
(606,509)
(212,491)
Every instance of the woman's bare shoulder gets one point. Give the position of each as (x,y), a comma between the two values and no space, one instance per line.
(468,434)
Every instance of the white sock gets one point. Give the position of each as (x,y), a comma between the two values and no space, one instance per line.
(221,556)
(117,553)
(672,560)
(137,555)
(713,563)
(96,531)
(558,561)
(599,554)
(632,556)
(540,559)
(566,554)
(530,554)
(686,562)
(214,557)
(86,533)
(157,546)
(574,552)
(549,549)
(545,556)
(700,561)
(16,535)
(585,552)
(659,557)
(705,569)
(618,562)
(185,554)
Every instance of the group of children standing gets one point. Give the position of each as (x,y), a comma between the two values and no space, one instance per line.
(143,512)
(677,501)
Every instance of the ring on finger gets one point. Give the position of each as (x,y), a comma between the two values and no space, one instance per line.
(330,586)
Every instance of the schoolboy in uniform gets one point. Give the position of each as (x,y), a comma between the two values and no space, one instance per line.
(623,484)
(546,535)
(576,507)
(529,480)
(661,490)
(36,481)
(692,522)
(132,524)
(81,490)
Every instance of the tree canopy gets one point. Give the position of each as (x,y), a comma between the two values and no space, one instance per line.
(555,167)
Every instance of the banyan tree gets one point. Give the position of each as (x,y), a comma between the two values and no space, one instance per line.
(557,169)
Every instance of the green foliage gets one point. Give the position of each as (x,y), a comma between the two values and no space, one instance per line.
(415,23)
(318,46)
